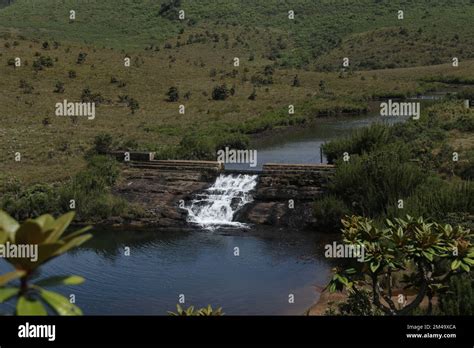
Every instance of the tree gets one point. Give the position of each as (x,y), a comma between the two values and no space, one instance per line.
(322,86)
(173,94)
(220,92)
(423,255)
(59,87)
(81,58)
(253,96)
(47,234)
(133,105)
(296,81)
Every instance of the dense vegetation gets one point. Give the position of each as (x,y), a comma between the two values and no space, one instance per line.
(402,263)
(407,168)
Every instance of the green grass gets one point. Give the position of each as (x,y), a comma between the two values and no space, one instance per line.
(214,32)
(367,31)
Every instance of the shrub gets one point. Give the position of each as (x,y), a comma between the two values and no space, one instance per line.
(359,142)
(329,211)
(220,92)
(173,94)
(88,97)
(459,299)
(59,87)
(370,183)
(104,167)
(103,143)
(29,202)
(81,58)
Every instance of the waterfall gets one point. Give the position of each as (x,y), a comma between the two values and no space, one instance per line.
(217,205)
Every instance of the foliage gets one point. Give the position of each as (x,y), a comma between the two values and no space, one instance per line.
(328,211)
(191,311)
(413,249)
(357,303)
(359,142)
(103,143)
(173,94)
(459,299)
(372,183)
(220,92)
(47,234)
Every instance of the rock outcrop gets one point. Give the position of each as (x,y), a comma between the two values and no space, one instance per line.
(159,186)
(285,193)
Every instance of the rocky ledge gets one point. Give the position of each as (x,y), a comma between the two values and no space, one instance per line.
(158,187)
(285,194)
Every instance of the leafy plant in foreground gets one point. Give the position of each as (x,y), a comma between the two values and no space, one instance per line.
(47,234)
(424,255)
(191,311)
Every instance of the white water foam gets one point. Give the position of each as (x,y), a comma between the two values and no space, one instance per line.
(217,205)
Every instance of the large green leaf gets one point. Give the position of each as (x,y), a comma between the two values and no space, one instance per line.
(46,222)
(73,243)
(45,252)
(59,303)
(30,232)
(8,277)
(468,261)
(77,233)
(27,306)
(7,293)
(61,280)
(8,224)
(60,226)
(3,236)
(374,266)
(455,264)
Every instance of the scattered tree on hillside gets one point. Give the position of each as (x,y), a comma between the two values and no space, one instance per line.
(81,58)
(170,9)
(59,87)
(220,92)
(173,94)
(296,81)
(253,96)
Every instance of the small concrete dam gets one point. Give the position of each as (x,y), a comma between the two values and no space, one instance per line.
(204,193)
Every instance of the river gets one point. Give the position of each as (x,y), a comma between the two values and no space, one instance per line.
(202,264)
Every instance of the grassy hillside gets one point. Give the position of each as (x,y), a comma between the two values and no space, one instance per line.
(368,31)
(195,56)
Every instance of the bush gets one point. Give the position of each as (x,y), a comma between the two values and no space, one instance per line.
(24,203)
(197,147)
(329,211)
(436,198)
(104,167)
(42,62)
(103,143)
(220,92)
(459,299)
(371,183)
(357,303)
(172,94)
(361,141)
(81,58)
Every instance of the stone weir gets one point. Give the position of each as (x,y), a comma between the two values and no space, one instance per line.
(285,194)
(159,186)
